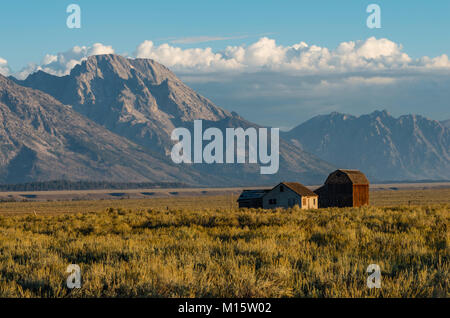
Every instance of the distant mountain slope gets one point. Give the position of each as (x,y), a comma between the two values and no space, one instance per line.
(446,123)
(136,98)
(295,164)
(42,139)
(143,101)
(384,147)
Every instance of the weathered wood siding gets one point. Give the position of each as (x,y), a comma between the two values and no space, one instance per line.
(344,188)
(360,195)
(251,203)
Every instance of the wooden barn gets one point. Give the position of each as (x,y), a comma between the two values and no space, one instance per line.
(344,188)
(252,198)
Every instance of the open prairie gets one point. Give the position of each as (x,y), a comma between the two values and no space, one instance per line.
(105,194)
(54,202)
(203,246)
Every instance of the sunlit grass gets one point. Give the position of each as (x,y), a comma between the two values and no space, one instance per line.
(380,198)
(223,252)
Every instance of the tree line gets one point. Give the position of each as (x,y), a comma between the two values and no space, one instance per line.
(86,185)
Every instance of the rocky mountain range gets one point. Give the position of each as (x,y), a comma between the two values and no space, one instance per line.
(135,104)
(42,139)
(446,123)
(139,99)
(410,147)
(111,119)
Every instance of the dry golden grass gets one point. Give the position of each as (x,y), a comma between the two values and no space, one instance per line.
(410,197)
(142,248)
(59,207)
(381,198)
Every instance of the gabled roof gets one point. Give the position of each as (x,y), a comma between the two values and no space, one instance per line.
(355,176)
(252,194)
(298,188)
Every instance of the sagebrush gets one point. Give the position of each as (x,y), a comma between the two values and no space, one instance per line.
(164,252)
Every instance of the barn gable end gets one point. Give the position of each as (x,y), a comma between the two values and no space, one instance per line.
(343,176)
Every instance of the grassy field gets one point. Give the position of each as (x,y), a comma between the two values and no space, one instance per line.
(170,247)
(379,198)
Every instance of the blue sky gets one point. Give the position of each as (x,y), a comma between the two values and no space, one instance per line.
(31,29)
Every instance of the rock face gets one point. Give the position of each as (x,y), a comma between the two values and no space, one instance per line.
(446,123)
(42,139)
(142,101)
(137,98)
(385,148)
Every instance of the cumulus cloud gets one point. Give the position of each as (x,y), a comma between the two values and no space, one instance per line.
(4,68)
(61,63)
(282,85)
(185,59)
(369,55)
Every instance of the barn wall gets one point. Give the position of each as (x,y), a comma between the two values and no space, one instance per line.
(360,195)
(335,195)
(340,195)
(322,192)
(251,203)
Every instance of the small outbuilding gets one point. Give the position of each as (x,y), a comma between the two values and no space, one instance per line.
(283,195)
(252,198)
(288,195)
(344,188)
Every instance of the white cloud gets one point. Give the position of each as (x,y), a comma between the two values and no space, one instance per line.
(282,85)
(187,59)
(61,63)
(4,68)
(437,62)
(369,55)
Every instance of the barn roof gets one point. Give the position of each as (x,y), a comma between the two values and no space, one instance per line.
(355,176)
(252,194)
(299,188)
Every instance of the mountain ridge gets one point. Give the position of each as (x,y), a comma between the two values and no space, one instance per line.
(143,101)
(144,97)
(385,147)
(42,139)
(446,123)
